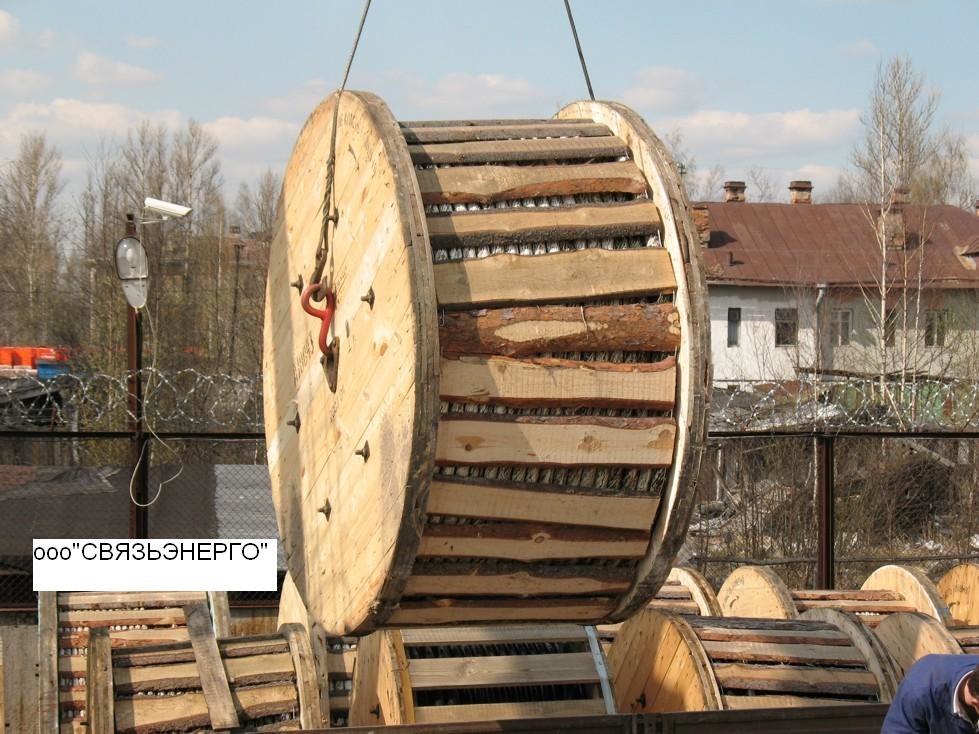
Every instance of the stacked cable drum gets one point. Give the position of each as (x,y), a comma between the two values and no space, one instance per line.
(132,619)
(453,674)
(509,417)
(661,661)
(908,636)
(754,591)
(959,588)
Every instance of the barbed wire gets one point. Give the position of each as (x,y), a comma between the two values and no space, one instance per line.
(188,399)
(172,400)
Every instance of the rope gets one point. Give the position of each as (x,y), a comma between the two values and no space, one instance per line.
(581,55)
(328,206)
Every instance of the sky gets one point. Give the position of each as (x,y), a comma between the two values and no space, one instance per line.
(770,84)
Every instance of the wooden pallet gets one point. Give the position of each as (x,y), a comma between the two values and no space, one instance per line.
(512,414)
(131,619)
(959,587)
(662,661)
(908,636)
(757,591)
(453,674)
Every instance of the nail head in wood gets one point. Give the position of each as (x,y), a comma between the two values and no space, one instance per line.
(295,423)
(364,452)
(298,283)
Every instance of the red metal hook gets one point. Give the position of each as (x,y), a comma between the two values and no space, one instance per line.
(321,313)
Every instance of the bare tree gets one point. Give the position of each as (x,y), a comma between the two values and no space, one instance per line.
(704,186)
(761,184)
(255,209)
(31,229)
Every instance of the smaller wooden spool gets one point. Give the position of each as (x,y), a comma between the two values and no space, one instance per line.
(453,674)
(662,662)
(908,636)
(133,619)
(960,590)
(757,591)
(159,688)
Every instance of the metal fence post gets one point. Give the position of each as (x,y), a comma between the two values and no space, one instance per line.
(824,446)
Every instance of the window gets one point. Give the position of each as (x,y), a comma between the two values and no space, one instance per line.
(839,327)
(786,327)
(936,324)
(733,326)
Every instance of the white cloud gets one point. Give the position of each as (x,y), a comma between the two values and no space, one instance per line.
(21,82)
(663,89)
(253,133)
(94,69)
(474,95)
(859,49)
(723,135)
(134,41)
(972,143)
(823,177)
(300,101)
(9,28)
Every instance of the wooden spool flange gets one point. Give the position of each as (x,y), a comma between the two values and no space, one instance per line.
(908,636)
(756,591)
(959,589)
(453,674)
(661,662)
(134,619)
(236,684)
(511,417)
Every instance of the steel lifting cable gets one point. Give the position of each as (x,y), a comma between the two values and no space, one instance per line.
(581,55)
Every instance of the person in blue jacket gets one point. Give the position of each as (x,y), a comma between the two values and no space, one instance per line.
(939,693)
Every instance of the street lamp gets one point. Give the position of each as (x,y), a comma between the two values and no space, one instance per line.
(132,267)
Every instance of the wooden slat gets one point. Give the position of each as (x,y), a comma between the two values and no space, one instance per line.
(502,670)
(555,441)
(341,663)
(527,542)
(488,184)
(277,668)
(127,600)
(161,617)
(516,710)
(189,710)
(525,331)
(465,133)
(127,638)
(679,606)
(774,636)
(499,227)
(301,653)
(500,502)
(856,606)
(503,151)
(458,611)
(494,635)
(47,632)
(214,680)
(522,583)
(181,652)
(797,679)
(572,275)
(773,702)
(100,697)
(784,653)
(845,595)
(408,124)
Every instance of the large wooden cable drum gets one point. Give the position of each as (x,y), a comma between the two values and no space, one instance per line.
(662,662)
(959,588)
(908,636)
(508,425)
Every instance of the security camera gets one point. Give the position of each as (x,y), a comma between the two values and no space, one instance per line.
(166,209)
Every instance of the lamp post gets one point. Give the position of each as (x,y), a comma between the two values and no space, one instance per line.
(132,267)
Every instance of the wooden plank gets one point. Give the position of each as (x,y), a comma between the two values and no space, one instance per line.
(127,600)
(756,701)
(783,653)
(528,542)
(488,184)
(866,595)
(253,670)
(525,331)
(161,617)
(47,635)
(99,696)
(772,636)
(214,680)
(572,275)
(220,613)
(554,441)
(558,382)
(127,638)
(466,611)
(477,580)
(489,501)
(502,670)
(181,652)
(464,133)
(494,635)
(498,711)
(501,227)
(189,710)
(485,122)
(301,654)
(341,663)
(505,151)
(795,679)
(677,606)
(856,606)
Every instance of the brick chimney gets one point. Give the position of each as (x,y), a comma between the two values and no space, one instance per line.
(800,192)
(891,222)
(734,190)
(899,197)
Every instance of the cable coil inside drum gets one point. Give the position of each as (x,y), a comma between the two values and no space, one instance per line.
(520,403)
